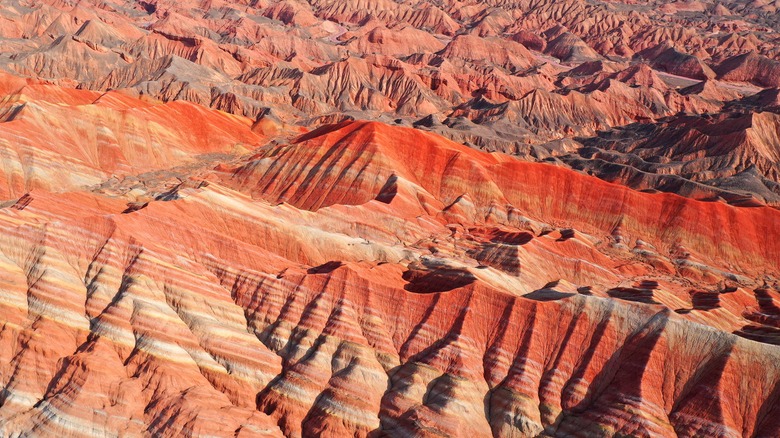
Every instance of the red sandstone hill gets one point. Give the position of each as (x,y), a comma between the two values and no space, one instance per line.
(384,280)
(379,218)
(515,76)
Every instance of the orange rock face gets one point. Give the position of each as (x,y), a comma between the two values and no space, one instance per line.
(372,218)
(540,80)
(424,283)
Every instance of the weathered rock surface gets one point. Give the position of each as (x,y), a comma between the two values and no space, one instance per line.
(514,76)
(384,280)
(202,235)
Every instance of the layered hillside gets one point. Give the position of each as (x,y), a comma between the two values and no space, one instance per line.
(365,279)
(378,218)
(540,80)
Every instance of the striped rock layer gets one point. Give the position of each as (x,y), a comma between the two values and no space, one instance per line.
(362,280)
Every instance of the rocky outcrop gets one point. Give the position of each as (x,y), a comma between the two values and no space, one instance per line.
(379,218)
(401,307)
(516,77)
(751,68)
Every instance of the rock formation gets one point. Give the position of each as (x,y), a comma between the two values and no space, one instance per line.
(376,218)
